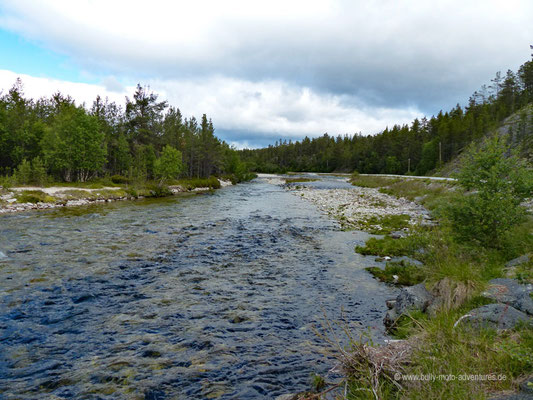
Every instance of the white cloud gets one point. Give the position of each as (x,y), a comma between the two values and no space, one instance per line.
(275,107)
(261,108)
(388,51)
(287,67)
(36,87)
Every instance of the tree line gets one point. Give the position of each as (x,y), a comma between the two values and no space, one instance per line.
(146,139)
(417,148)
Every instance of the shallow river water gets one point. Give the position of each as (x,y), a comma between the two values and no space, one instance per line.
(196,297)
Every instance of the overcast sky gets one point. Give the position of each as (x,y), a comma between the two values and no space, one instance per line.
(264,70)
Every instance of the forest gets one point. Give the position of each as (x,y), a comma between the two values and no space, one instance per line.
(55,139)
(418,149)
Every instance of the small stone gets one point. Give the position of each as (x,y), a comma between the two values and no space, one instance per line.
(390,304)
(398,235)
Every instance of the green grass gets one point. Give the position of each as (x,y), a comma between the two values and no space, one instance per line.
(444,351)
(97,183)
(34,196)
(439,348)
(408,246)
(408,274)
(372,181)
(386,224)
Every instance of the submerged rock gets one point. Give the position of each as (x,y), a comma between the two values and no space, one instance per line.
(497,316)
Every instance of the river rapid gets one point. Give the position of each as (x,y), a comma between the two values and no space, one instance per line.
(192,297)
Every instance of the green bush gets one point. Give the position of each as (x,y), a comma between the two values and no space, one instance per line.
(23,173)
(497,185)
(38,172)
(190,184)
(158,190)
(119,179)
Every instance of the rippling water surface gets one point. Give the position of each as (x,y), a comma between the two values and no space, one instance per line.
(206,296)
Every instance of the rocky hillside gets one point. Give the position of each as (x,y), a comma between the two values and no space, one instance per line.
(517,129)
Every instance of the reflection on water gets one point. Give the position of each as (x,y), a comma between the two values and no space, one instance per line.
(209,296)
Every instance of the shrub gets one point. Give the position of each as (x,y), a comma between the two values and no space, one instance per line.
(497,185)
(159,191)
(38,172)
(119,179)
(23,173)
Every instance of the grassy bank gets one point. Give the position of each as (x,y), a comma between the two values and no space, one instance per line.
(437,356)
(52,194)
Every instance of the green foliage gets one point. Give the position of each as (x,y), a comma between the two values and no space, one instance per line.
(78,144)
(38,172)
(158,190)
(119,179)
(190,184)
(498,184)
(23,174)
(73,145)
(169,165)
(424,146)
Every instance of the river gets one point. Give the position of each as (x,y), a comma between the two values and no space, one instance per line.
(194,297)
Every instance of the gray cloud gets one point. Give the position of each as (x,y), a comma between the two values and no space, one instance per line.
(386,54)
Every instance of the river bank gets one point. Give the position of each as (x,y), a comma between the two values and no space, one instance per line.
(464,314)
(25,198)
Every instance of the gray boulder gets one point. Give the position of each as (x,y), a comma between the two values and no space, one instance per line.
(518,261)
(509,291)
(497,316)
(410,298)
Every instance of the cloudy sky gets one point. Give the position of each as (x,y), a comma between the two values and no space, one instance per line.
(264,70)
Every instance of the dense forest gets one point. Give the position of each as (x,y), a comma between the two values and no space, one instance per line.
(56,138)
(417,149)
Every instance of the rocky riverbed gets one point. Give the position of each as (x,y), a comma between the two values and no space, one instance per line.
(357,207)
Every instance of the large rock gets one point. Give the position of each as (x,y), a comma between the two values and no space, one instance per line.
(497,316)
(518,261)
(509,291)
(410,298)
